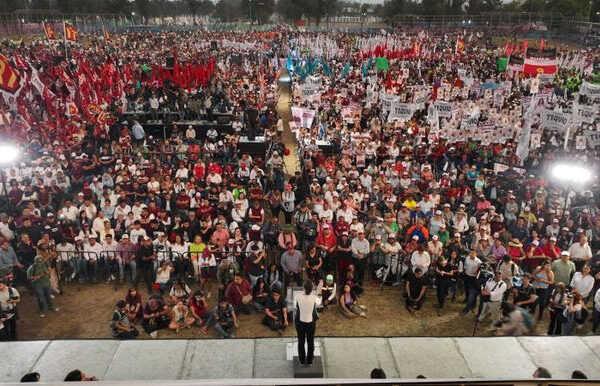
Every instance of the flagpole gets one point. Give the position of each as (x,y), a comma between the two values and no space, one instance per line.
(65,39)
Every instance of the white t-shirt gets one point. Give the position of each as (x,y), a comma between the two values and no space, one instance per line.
(471,266)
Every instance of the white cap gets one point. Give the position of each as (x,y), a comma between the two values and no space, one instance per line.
(415,237)
(255,227)
(565,253)
(434,237)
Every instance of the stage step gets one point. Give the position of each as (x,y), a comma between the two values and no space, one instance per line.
(313,371)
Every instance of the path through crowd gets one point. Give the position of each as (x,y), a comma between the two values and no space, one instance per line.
(284,109)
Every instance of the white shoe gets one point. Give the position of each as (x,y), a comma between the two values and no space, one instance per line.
(51,296)
(42,316)
(55,309)
(73,275)
(154,334)
(363,307)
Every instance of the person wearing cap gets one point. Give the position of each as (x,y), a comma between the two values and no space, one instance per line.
(360,247)
(327,290)
(553,229)
(563,268)
(551,250)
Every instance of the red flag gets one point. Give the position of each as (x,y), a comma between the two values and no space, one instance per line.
(524,48)
(70,32)
(9,78)
(48,31)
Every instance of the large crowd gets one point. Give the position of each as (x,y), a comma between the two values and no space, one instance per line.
(424,200)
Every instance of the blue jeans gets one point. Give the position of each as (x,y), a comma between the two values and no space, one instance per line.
(43,297)
(133,267)
(224,330)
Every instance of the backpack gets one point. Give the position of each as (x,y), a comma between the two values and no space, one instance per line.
(527,319)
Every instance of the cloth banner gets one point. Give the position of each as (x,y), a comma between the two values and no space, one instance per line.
(584,114)
(444,109)
(309,93)
(303,117)
(590,90)
(387,100)
(593,138)
(540,61)
(554,120)
(400,111)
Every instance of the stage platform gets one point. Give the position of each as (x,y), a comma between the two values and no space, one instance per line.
(349,358)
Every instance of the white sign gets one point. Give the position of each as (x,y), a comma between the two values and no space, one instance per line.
(400,111)
(444,109)
(303,117)
(554,120)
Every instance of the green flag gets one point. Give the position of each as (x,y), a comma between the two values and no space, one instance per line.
(345,70)
(382,64)
(501,64)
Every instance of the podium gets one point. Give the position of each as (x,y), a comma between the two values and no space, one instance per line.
(313,371)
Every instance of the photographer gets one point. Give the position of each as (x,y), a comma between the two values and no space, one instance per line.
(524,295)
(276,317)
(492,293)
(9,298)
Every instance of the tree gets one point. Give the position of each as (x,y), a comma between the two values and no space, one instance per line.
(290,10)
(144,9)
(229,10)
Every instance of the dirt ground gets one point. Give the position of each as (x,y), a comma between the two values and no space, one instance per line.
(85,312)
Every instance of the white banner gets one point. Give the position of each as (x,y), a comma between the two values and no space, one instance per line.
(590,90)
(303,117)
(444,109)
(313,81)
(387,100)
(554,120)
(469,121)
(593,138)
(400,111)
(585,114)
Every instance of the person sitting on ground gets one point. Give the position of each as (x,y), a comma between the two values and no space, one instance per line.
(180,317)
(180,292)
(276,313)
(415,290)
(349,306)
(78,376)
(327,291)
(260,295)
(198,307)
(133,303)
(163,276)
(223,319)
(121,326)
(239,294)
(156,315)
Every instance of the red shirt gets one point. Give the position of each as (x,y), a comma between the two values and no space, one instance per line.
(235,292)
(547,251)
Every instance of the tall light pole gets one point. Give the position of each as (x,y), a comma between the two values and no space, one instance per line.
(571,175)
(8,154)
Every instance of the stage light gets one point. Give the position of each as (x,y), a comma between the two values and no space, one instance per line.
(571,173)
(8,154)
